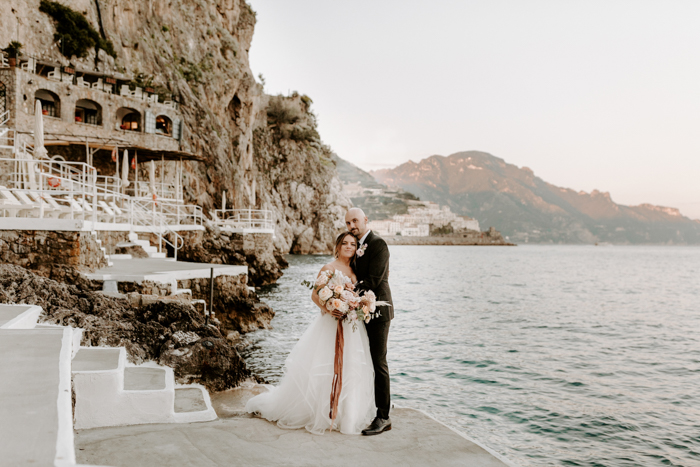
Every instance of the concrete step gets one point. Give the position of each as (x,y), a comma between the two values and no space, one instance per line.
(144,379)
(192,404)
(100,359)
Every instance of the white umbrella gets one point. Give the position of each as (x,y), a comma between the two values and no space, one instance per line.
(39,150)
(152,176)
(125,169)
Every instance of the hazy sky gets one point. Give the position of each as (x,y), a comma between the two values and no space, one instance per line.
(588,94)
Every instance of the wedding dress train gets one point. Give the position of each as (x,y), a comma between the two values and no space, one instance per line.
(302,399)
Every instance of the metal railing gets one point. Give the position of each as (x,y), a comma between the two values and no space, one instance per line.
(248,219)
(147,216)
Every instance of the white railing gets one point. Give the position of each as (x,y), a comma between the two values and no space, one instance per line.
(245,219)
(148,217)
(169,191)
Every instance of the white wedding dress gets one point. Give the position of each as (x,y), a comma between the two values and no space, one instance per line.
(302,398)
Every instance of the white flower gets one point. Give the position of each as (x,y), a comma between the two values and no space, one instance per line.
(338,280)
(324,294)
(347,295)
(322,279)
(343,306)
(329,305)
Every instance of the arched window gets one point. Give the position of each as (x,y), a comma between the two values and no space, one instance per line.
(50,103)
(164,126)
(128,119)
(87,111)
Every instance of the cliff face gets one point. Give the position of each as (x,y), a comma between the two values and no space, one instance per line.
(527,208)
(198,50)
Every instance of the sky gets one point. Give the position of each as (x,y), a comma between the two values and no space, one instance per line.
(588,94)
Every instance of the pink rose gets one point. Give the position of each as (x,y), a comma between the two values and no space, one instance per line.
(336,303)
(338,289)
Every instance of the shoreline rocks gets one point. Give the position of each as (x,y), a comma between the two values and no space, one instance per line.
(170,332)
(470,237)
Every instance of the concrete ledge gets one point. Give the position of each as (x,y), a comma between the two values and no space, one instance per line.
(162,270)
(19,316)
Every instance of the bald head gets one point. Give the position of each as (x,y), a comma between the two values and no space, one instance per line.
(356,222)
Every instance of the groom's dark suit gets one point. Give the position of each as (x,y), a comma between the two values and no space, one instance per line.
(372,271)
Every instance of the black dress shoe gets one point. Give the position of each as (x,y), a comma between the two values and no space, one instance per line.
(378,425)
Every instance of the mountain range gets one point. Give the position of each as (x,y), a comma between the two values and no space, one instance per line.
(528,209)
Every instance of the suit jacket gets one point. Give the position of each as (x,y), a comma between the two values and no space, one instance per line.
(372,271)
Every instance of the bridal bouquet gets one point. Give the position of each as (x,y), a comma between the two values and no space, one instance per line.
(337,292)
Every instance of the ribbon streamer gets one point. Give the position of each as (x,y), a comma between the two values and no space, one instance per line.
(337,372)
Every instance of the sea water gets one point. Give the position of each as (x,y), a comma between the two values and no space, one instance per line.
(550,355)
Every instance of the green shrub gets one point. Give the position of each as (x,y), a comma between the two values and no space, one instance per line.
(74,31)
(13,49)
(281,111)
(165,28)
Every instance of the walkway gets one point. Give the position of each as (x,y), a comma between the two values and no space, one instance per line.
(415,440)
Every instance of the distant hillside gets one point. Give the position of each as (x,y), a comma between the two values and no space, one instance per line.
(528,209)
(376,199)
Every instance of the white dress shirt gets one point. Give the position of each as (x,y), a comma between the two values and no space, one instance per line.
(362,240)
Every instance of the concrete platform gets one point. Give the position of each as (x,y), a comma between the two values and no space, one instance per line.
(415,440)
(161,270)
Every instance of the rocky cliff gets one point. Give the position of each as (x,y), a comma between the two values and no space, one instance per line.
(263,150)
(528,209)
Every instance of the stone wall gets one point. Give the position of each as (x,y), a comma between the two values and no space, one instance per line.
(51,253)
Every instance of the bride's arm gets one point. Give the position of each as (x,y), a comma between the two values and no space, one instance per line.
(314,294)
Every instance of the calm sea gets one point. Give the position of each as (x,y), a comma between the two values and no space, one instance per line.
(550,355)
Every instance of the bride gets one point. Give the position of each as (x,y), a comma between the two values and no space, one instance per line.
(302,399)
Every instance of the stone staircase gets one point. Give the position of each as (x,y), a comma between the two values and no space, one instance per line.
(134,240)
(37,415)
(111,392)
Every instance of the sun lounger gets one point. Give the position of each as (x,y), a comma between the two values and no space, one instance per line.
(60,211)
(17,207)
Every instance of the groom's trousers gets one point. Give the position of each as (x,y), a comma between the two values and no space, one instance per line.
(378,335)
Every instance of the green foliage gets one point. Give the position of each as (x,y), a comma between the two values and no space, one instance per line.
(194,72)
(165,28)
(304,133)
(13,49)
(74,31)
(261,78)
(407,195)
(444,230)
(306,100)
(282,111)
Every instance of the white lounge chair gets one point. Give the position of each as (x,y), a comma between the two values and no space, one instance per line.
(124,90)
(17,207)
(81,82)
(137,93)
(55,74)
(28,201)
(57,210)
(3,61)
(67,78)
(98,84)
(154,98)
(29,65)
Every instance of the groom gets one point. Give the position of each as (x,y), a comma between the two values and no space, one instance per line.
(372,270)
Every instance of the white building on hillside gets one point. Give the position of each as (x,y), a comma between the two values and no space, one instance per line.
(418,220)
